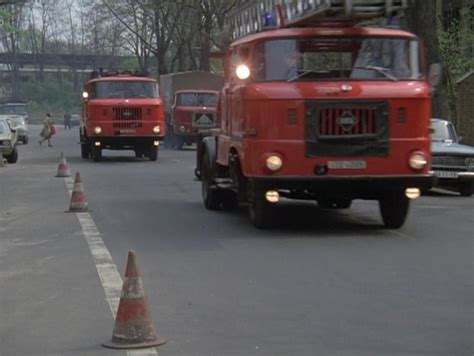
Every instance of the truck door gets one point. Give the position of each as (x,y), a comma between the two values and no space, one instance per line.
(236,92)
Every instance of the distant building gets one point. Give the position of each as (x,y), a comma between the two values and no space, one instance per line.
(465,107)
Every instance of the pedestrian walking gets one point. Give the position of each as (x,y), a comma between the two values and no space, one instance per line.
(48,130)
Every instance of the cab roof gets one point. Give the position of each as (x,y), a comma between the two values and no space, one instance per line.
(322,31)
(122,78)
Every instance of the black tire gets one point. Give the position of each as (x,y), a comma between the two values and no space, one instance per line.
(13,157)
(394,210)
(96,153)
(153,153)
(197,173)
(335,203)
(85,151)
(261,212)
(230,200)
(25,140)
(210,194)
(466,189)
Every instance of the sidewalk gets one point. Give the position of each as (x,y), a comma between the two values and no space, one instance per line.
(51,299)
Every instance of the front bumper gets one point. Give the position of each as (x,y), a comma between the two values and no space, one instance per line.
(123,142)
(449,177)
(363,187)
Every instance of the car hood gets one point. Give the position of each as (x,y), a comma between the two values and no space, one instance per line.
(5,136)
(438,148)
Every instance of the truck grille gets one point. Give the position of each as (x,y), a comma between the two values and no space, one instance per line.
(346,122)
(127,118)
(350,128)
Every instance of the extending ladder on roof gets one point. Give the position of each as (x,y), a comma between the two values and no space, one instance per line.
(265,14)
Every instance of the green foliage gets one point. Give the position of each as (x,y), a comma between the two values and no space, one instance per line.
(457,51)
(50,96)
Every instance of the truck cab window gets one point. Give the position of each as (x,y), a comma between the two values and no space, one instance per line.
(124,89)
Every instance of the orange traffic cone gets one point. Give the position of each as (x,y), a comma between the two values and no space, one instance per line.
(133,326)
(63,170)
(78,197)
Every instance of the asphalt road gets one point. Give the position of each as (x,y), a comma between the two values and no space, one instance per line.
(321,283)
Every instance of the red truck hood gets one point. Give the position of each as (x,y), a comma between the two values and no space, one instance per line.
(334,90)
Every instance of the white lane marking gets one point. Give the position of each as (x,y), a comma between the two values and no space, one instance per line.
(106,269)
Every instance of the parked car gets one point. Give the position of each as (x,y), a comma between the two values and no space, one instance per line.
(8,140)
(21,126)
(453,162)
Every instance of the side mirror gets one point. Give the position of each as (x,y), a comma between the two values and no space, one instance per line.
(434,76)
(460,139)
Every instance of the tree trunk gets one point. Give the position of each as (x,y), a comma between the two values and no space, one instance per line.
(422,20)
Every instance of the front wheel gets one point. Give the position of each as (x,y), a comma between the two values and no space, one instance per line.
(25,140)
(260,210)
(85,151)
(96,153)
(466,189)
(210,193)
(153,153)
(13,157)
(394,210)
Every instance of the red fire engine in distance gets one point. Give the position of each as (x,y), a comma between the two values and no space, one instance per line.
(324,112)
(121,112)
(193,110)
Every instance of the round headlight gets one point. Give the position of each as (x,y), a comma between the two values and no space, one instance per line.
(242,72)
(274,163)
(412,193)
(157,129)
(85,95)
(182,129)
(272,196)
(417,161)
(97,130)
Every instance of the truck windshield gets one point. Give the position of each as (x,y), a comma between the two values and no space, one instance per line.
(14,110)
(197,99)
(358,58)
(125,89)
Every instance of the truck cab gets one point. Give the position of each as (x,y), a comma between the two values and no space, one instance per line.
(121,112)
(192,110)
(318,109)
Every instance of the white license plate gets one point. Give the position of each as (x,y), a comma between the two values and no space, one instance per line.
(446,174)
(347,164)
(127,132)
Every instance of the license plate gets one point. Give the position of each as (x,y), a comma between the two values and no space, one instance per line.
(446,174)
(127,132)
(347,164)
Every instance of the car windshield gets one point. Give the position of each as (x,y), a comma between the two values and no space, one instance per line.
(317,58)
(125,89)
(197,99)
(18,120)
(3,127)
(15,110)
(443,131)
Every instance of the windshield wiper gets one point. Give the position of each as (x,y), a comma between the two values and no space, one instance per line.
(302,74)
(381,70)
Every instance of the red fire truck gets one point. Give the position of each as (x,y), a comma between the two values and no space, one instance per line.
(190,105)
(317,108)
(121,112)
